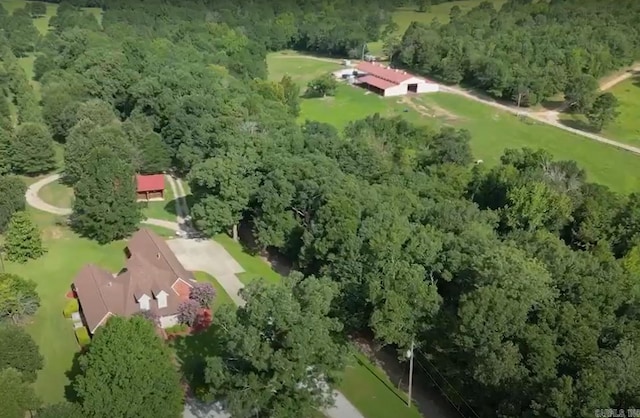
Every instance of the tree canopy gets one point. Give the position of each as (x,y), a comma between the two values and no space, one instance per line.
(527,51)
(127,371)
(280,353)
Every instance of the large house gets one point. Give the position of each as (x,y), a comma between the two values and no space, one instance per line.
(153,280)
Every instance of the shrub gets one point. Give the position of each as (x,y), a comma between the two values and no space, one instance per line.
(70,308)
(204,394)
(203,293)
(82,334)
(188,311)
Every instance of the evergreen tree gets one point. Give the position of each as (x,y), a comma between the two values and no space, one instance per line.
(5,150)
(12,190)
(32,149)
(23,241)
(105,207)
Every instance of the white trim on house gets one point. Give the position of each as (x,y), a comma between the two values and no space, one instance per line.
(102,321)
(180,279)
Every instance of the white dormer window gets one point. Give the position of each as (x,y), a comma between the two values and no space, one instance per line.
(144,302)
(162,299)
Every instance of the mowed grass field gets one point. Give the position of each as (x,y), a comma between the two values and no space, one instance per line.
(492,130)
(626,127)
(404,16)
(300,68)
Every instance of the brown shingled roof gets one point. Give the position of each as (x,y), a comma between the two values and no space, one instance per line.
(150,269)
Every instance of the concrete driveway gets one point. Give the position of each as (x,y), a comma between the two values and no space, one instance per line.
(210,257)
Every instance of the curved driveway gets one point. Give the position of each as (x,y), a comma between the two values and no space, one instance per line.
(195,254)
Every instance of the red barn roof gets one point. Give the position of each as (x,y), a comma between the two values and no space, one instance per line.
(376,82)
(379,71)
(150,183)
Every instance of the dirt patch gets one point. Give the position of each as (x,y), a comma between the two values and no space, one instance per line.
(53,232)
(433,111)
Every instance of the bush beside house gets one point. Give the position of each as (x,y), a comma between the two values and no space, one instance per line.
(82,334)
(70,308)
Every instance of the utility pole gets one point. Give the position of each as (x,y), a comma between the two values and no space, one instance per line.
(410,356)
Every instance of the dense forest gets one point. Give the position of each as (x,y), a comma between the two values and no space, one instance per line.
(527,51)
(519,281)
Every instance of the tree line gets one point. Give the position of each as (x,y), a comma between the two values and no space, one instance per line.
(527,51)
(519,281)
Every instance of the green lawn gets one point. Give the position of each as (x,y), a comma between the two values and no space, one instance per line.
(254,266)
(492,131)
(371,391)
(53,273)
(300,69)
(57,194)
(626,127)
(353,103)
(165,209)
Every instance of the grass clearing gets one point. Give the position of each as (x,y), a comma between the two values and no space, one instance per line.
(254,266)
(626,127)
(42,23)
(492,130)
(371,391)
(301,69)
(57,194)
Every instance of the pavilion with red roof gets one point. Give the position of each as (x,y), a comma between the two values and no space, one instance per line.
(150,187)
(388,81)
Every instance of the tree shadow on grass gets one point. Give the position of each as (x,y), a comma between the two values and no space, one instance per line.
(578,124)
(192,352)
(70,393)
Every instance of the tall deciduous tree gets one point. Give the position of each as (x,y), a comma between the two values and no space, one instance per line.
(16,395)
(322,86)
(222,187)
(18,298)
(5,150)
(291,93)
(32,149)
(279,354)
(23,240)
(19,351)
(604,111)
(581,92)
(59,410)
(128,371)
(105,207)
(12,190)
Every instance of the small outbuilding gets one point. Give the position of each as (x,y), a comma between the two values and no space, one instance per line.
(150,187)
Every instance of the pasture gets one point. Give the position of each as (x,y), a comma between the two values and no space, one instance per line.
(300,68)
(492,130)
